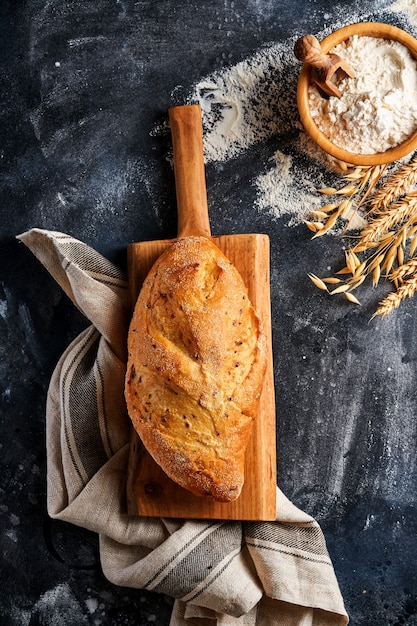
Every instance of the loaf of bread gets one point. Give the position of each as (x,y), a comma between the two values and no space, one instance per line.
(197,358)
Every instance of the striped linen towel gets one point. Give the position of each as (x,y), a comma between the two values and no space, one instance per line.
(221,573)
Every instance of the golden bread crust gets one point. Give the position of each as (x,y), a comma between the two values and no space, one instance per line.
(197,357)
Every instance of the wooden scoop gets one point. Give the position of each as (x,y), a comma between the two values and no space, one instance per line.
(149,491)
(324,66)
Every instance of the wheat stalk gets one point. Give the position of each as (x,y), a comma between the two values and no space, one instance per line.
(392,222)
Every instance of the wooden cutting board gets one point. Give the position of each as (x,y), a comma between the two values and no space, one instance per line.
(149,491)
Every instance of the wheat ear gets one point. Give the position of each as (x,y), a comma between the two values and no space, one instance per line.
(385,219)
(393,300)
(397,185)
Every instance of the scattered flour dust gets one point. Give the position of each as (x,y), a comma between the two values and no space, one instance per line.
(378,107)
(408,8)
(55,607)
(245,103)
(278,191)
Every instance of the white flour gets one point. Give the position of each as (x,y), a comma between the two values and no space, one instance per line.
(279,193)
(244,104)
(378,108)
(408,8)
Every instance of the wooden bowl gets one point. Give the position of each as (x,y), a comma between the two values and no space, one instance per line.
(369,29)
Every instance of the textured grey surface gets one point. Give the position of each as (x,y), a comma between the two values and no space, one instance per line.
(85,85)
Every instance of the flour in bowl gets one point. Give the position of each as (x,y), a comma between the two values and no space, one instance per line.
(378,108)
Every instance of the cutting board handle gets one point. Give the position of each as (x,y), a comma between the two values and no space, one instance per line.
(190,182)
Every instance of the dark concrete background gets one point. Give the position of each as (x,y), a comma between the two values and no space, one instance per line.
(70,137)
